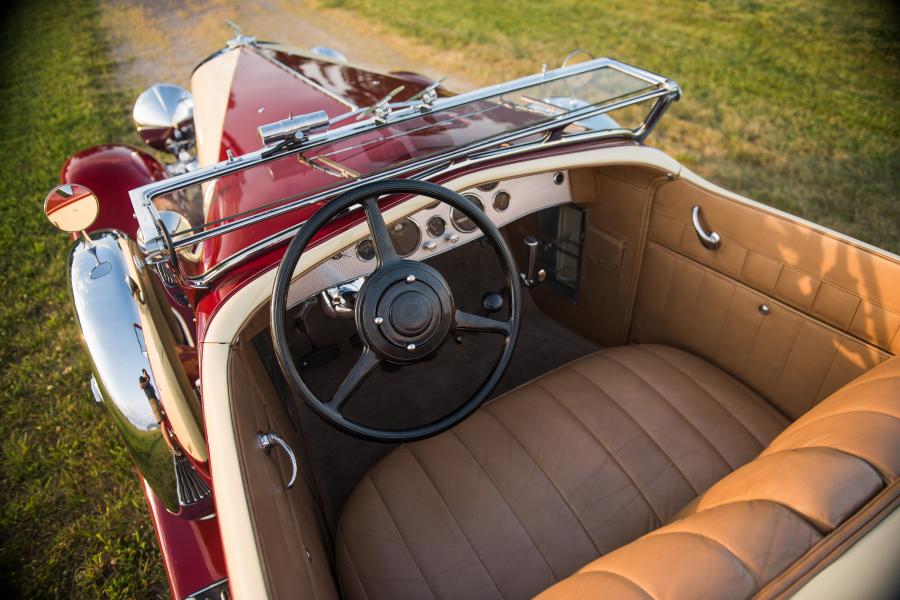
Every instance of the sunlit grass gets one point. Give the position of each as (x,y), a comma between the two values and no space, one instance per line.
(791,103)
(73,522)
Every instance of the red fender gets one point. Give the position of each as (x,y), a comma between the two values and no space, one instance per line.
(110,171)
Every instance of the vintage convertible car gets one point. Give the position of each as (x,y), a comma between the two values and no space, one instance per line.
(378,340)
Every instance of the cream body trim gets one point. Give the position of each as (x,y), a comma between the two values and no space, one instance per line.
(211,86)
(868,569)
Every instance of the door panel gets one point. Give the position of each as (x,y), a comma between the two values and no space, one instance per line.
(833,306)
(851,287)
(289,538)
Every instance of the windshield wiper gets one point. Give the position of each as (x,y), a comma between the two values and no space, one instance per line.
(382,108)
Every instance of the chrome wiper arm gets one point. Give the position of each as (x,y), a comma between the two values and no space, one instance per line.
(428,95)
(382,108)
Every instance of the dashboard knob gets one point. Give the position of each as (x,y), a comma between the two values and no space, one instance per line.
(492,302)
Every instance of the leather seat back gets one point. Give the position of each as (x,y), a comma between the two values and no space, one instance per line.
(768,527)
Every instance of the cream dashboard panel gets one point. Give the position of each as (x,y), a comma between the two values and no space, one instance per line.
(502,201)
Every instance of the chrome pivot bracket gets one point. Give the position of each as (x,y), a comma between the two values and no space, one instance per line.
(427,96)
(292,130)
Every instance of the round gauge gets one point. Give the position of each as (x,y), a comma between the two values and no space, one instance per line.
(436,226)
(501,201)
(487,187)
(365,249)
(460,220)
(406,236)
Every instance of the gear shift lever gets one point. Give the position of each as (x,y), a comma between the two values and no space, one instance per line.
(533,275)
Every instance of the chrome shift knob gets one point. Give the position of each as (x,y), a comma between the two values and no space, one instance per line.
(533,275)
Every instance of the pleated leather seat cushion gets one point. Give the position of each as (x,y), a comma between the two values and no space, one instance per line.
(550,476)
(772,522)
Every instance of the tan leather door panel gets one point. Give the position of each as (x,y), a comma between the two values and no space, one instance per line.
(833,305)
(290,541)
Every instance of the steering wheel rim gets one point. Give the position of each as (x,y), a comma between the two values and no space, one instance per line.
(412,285)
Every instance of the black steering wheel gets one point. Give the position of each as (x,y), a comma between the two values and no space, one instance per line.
(404,311)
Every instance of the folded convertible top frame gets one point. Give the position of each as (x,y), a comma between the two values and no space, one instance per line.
(160,245)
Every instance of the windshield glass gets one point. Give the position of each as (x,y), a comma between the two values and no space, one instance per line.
(598,96)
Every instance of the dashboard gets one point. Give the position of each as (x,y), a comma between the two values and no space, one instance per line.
(437,228)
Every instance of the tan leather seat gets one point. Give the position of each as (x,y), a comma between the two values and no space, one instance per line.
(543,480)
(766,528)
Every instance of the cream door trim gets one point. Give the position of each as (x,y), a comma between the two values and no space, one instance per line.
(245,571)
(868,569)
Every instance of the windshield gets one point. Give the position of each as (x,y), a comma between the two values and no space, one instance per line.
(405,137)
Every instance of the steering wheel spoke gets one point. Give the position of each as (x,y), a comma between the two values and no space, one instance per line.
(384,247)
(365,364)
(463,321)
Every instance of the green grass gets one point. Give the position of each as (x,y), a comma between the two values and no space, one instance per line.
(791,103)
(73,523)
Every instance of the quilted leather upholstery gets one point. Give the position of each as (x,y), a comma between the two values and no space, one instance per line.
(745,530)
(570,466)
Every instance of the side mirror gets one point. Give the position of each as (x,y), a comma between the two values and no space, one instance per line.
(164,116)
(72,207)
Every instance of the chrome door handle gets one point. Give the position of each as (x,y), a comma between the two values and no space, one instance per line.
(267,441)
(710,240)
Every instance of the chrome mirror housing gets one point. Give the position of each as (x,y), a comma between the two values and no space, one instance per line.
(164,116)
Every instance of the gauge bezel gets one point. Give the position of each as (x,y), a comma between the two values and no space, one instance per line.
(418,236)
(359,254)
(479,203)
(494,200)
(443,226)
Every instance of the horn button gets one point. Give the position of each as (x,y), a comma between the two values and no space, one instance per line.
(405,311)
(411,313)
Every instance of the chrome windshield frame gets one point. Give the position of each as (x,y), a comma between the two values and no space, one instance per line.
(160,245)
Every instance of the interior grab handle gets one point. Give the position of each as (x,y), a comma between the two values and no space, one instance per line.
(710,240)
(267,441)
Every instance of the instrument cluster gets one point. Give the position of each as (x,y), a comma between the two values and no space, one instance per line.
(438,228)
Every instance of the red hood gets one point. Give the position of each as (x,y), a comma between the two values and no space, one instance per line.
(238,90)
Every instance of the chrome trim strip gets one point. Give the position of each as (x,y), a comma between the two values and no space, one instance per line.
(158,249)
(261,52)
